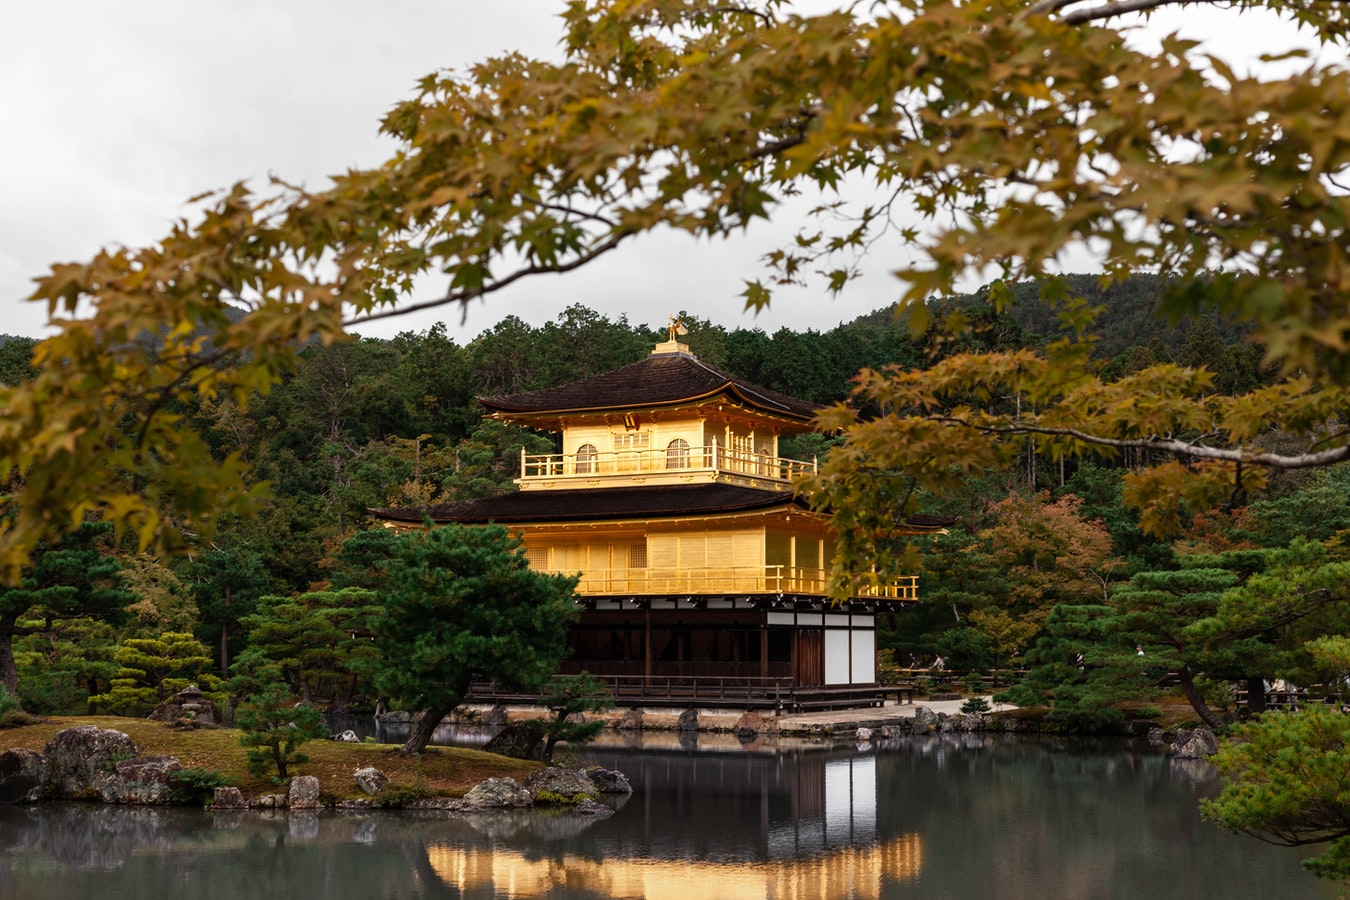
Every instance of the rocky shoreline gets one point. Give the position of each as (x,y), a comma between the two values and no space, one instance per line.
(102,764)
(90,763)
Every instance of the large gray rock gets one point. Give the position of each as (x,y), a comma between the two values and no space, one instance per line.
(79,758)
(499,793)
(521,740)
(304,793)
(752,723)
(143,779)
(23,773)
(593,809)
(688,721)
(1197,744)
(371,780)
(556,785)
(347,737)
(229,798)
(609,781)
(631,720)
(924,719)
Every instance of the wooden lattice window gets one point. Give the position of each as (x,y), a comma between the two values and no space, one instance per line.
(637,556)
(632,440)
(586,459)
(677,454)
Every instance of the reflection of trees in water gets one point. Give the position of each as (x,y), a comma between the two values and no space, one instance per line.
(96,837)
(235,856)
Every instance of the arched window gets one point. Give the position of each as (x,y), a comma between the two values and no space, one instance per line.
(677,454)
(586,456)
(763,462)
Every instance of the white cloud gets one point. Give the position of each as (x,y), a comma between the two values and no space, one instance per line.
(112,115)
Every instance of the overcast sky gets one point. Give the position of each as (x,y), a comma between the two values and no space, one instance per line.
(113,114)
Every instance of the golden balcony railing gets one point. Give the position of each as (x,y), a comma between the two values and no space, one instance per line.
(696,580)
(673,460)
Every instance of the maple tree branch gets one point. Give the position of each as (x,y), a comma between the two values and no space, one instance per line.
(570,211)
(466,295)
(1169,445)
(1103,11)
(738,9)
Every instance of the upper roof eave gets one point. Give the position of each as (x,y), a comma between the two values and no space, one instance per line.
(659,380)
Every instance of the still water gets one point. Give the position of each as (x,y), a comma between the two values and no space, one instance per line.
(945,816)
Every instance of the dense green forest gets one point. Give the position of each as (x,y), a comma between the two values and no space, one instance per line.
(395,422)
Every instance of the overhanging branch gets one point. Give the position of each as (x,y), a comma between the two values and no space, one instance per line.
(1168,445)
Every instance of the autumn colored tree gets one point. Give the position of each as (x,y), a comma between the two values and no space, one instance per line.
(1211,621)
(1048,555)
(1014,131)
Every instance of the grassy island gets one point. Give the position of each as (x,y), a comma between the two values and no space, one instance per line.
(438,772)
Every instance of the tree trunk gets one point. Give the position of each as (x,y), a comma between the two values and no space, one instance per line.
(1256,694)
(1207,715)
(9,674)
(225,638)
(421,730)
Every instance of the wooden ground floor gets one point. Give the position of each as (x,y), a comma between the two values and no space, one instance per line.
(754,652)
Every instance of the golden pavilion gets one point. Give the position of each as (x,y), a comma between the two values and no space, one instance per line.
(703,575)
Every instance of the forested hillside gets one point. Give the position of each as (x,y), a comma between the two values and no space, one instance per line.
(395,422)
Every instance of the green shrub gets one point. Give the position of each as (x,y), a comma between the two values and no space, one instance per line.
(52,693)
(553,798)
(398,795)
(197,787)
(975,706)
(11,713)
(273,731)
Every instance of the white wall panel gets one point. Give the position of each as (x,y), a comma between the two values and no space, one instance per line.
(836,657)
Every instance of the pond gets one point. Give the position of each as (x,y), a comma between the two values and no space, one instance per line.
(942,816)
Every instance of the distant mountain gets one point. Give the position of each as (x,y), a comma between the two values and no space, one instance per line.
(1130,318)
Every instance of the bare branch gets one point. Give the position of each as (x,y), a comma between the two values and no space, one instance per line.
(1168,445)
(465,296)
(1103,11)
(570,211)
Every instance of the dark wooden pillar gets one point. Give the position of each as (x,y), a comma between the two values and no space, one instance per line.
(764,647)
(647,643)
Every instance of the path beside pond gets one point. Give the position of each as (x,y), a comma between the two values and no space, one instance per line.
(844,720)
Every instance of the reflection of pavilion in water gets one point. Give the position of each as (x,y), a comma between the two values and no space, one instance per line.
(804,829)
(839,873)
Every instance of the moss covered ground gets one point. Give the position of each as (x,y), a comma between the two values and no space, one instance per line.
(439,772)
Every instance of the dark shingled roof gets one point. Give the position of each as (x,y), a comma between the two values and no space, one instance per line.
(648,502)
(661,379)
(618,504)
